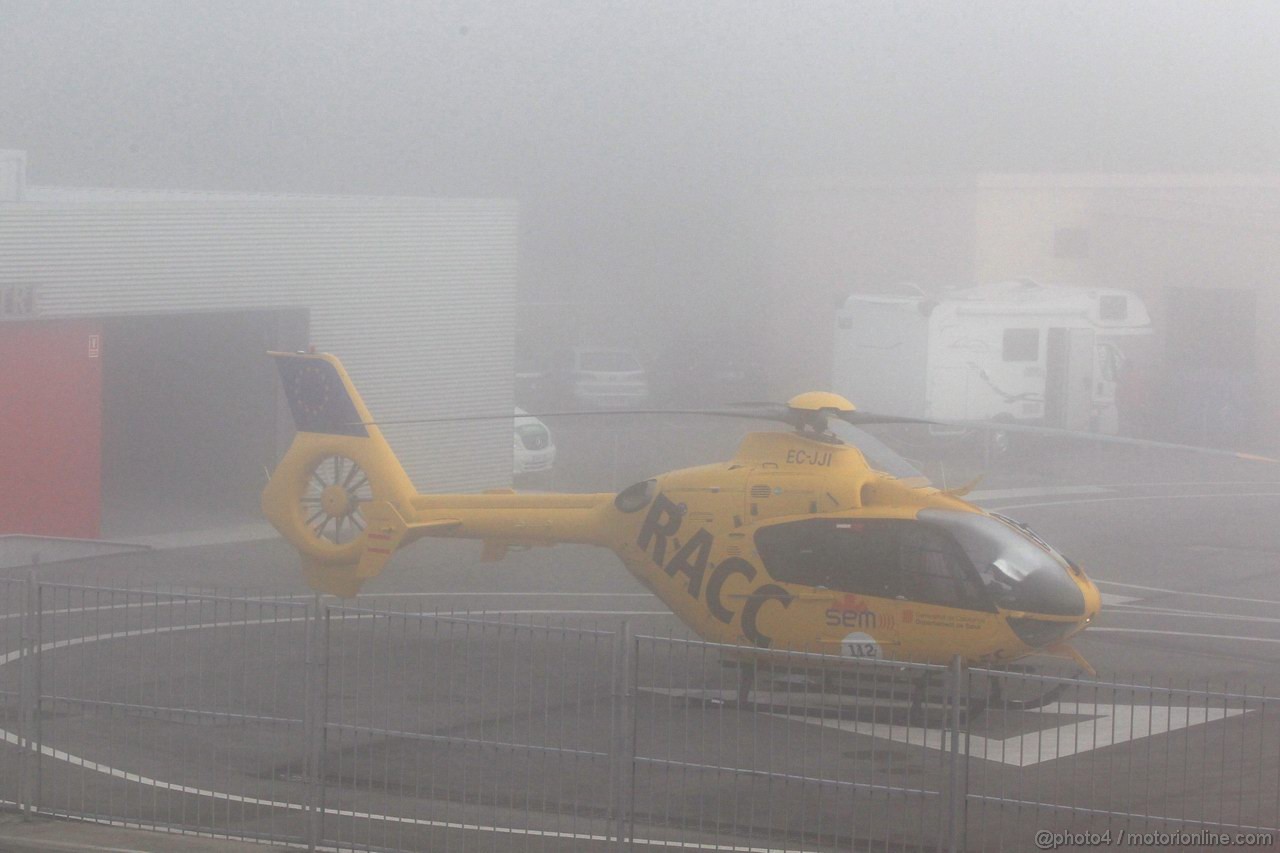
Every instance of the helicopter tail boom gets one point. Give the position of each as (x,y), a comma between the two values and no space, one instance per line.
(341,497)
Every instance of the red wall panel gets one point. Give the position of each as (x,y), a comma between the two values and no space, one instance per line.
(51,428)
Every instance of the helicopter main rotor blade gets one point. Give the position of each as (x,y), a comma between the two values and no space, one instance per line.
(1108,439)
(857,418)
(781,413)
(773,412)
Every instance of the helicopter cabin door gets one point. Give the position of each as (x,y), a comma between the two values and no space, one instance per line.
(842,576)
(864,582)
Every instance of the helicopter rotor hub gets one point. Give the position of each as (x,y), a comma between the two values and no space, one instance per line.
(336,501)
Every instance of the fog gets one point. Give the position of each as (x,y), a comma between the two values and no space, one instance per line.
(641,138)
(571,101)
(673,161)
(1007,217)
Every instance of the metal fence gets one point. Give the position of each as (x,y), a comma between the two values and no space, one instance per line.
(298,721)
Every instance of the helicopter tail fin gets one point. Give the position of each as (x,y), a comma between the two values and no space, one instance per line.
(339,495)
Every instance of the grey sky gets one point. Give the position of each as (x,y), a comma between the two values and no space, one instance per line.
(528,97)
(639,137)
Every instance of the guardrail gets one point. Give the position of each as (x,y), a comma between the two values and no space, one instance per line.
(304,722)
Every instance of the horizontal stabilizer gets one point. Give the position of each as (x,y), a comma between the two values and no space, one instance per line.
(386,531)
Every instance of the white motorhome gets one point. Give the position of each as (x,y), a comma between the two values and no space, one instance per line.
(1016,351)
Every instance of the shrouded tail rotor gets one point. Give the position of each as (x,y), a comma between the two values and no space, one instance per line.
(337,488)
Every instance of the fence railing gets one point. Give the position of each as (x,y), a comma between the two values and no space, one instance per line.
(305,722)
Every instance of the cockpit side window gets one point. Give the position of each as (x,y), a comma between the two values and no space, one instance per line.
(887,558)
(936,570)
(857,556)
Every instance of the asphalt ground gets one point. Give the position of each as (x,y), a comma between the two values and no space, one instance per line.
(1189,570)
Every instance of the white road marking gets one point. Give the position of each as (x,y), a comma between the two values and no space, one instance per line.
(178,600)
(116,773)
(1095,630)
(1038,492)
(252,531)
(153,829)
(1121,498)
(38,844)
(1184,592)
(1190,483)
(1111,599)
(1138,610)
(147,781)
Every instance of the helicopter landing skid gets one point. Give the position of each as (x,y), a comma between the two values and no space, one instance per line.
(1009,694)
(823,692)
(894,696)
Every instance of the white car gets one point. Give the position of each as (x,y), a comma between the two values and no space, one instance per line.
(534,451)
(602,378)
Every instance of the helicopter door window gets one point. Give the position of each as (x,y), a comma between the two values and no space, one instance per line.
(858,556)
(865,551)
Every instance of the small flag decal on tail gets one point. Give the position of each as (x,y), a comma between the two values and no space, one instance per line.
(317,397)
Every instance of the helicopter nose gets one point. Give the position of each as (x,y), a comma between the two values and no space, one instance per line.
(1064,604)
(1042,632)
(1092,598)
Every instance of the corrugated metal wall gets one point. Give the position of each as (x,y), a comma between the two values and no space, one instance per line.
(417,296)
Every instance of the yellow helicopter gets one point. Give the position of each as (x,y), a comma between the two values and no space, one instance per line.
(795,543)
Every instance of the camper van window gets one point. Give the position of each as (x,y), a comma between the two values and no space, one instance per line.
(1021,344)
(1113,308)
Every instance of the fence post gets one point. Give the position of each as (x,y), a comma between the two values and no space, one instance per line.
(622,750)
(35,612)
(315,716)
(26,682)
(955,794)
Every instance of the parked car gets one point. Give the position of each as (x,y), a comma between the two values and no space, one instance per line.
(702,373)
(534,451)
(605,377)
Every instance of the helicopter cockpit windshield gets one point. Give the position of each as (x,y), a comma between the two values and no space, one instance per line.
(946,557)
(1019,571)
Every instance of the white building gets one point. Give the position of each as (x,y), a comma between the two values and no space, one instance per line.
(134,326)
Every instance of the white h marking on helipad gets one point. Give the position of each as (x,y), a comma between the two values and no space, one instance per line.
(1108,725)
